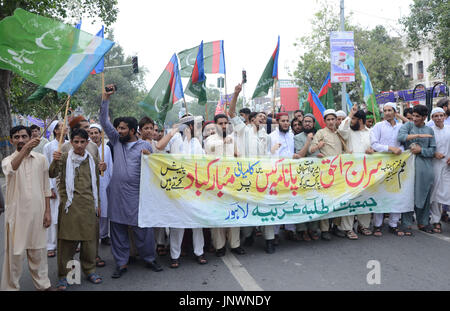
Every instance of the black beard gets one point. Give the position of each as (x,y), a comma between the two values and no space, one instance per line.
(125,139)
(307,131)
(355,127)
(283,130)
(224,134)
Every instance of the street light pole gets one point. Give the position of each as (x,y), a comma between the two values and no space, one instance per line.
(344,85)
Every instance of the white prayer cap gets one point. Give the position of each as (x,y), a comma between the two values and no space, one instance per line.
(97,126)
(187,118)
(340,113)
(393,105)
(436,110)
(329,111)
(52,126)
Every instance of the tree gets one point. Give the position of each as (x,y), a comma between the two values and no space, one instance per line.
(380,53)
(429,24)
(67,10)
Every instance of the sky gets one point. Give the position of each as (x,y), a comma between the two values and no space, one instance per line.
(155,30)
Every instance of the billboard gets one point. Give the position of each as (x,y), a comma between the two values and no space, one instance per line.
(342,47)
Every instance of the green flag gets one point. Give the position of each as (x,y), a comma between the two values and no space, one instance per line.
(269,74)
(197,90)
(197,82)
(369,96)
(164,93)
(48,52)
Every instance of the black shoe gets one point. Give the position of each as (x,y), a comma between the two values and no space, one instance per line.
(270,247)
(132,259)
(154,266)
(339,233)
(221,252)
(249,241)
(326,236)
(118,272)
(238,250)
(106,241)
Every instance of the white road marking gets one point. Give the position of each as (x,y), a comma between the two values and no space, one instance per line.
(436,235)
(241,274)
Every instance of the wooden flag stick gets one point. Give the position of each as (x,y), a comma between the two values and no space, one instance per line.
(274,92)
(54,118)
(185,105)
(226,95)
(64,124)
(103,132)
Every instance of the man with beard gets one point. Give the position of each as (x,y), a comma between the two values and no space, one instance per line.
(123,192)
(27,212)
(419,138)
(296,126)
(329,143)
(442,103)
(441,166)
(251,141)
(383,138)
(282,146)
(302,141)
(357,137)
(222,145)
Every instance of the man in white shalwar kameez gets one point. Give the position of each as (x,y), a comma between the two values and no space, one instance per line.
(52,238)
(441,166)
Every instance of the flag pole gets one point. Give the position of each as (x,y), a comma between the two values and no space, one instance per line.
(274,91)
(206,111)
(54,118)
(103,132)
(185,105)
(64,125)
(226,97)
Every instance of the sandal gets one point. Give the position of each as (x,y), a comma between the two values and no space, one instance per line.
(426,229)
(62,284)
(51,254)
(377,231)
(350,234)
(99,262)
(437,228)
(174,263)
(304,236)
(94,278)
(408,232)
(201,259)
(161,250)
(364,231)
(314,235)
(396,231)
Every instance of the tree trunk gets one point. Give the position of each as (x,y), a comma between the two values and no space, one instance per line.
(5,114)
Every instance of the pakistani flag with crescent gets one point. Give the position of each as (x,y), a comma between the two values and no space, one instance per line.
(166,91)
(213,58)
(269,74)
(48,52)
(197,83)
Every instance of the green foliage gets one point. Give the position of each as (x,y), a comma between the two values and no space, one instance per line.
(380,53)
(429,24)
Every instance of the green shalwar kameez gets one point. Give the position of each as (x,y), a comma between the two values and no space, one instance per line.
(424,175)
(79,224)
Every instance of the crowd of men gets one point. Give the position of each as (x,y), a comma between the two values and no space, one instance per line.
(75,192)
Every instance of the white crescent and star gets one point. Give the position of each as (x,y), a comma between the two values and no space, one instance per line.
(39,41)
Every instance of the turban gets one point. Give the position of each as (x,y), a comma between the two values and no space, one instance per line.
(329,111)
(436,110)
(393,105)
(52,126)
(97,126)
(341,113)
(280,114)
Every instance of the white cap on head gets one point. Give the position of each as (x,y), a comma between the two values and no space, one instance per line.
(393,105)
(52,126)
(340,113)
(97,126)
(436,110)
(329,111)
